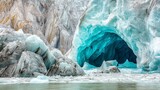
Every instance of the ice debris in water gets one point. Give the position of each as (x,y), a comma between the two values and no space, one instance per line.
(112,63)
(88,66)
(105,68)
(40,79)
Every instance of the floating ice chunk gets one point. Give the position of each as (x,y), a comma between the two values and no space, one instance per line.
(40,79)
(112,63)
(88,66)
(105,68)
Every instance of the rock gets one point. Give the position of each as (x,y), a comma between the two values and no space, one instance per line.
(29,65)
(57,53)
(11,53)
(8,71)
(46,18)
(9,57)
(9,35)
(60,29)
(25,55)
(65,67)
(65,41)
(113,69)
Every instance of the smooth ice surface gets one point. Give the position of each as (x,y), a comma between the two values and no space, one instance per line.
(35,44)
(127,64)
(135,22)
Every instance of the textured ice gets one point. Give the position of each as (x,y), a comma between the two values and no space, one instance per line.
(112,63)
(133,22)
(30,65)
(26,55)
(88,66)
(65,67)
(35,44)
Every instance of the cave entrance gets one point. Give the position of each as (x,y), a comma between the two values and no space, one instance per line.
(106,46)
(116,49)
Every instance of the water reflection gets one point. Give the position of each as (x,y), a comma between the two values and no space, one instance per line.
(84,86)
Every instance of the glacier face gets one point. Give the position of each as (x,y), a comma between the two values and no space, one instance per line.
(133,22)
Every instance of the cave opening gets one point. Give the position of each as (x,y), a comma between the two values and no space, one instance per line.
(115,50)
(105,46)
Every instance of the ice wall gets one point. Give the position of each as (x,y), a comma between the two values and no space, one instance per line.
(133,21)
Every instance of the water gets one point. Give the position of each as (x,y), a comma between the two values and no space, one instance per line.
(82,86)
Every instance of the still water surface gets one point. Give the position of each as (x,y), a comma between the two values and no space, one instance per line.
(81,86)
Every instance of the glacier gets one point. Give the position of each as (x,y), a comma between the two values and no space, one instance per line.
(128,28)
(107,35)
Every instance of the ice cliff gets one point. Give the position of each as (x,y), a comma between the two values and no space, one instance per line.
(119,30)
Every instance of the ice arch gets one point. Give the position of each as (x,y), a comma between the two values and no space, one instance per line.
(134,21)
(103,44)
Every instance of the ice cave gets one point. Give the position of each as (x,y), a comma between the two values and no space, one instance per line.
(79,41)
(106,32)
(101,45)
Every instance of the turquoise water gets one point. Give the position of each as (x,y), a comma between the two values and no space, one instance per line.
(83,86)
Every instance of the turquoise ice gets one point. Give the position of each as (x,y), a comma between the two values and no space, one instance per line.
(132,26)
